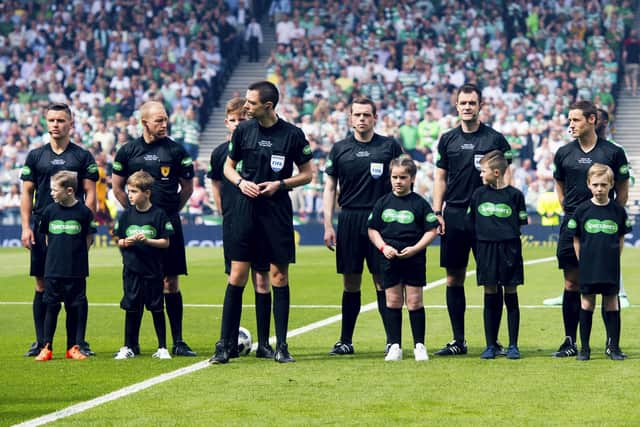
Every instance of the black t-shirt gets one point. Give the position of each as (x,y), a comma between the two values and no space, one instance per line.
(599,229)
(165,160)
(268,154)
(362,169)
(154,223)
(42,163)
(571,164)
(496,215)
(460,153)
(229,191)
(402,221)
(67,229)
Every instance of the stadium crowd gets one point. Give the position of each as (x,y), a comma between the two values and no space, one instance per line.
(104,58)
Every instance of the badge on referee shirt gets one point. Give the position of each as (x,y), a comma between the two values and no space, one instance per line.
(376,169)
(277,162)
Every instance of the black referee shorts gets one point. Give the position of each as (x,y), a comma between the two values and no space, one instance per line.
(226,242)
(456,243)
(174,259)
(261,231)
(565,252)
(70,290)
(353,245)
(605,289)
(499,263)
(38,252)
(140,291)
(409,271)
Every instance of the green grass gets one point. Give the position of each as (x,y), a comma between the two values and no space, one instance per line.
(318,389)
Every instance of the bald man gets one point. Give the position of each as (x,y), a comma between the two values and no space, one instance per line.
(172,169)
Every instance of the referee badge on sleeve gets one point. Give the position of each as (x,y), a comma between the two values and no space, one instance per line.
(277,162)
(376,170)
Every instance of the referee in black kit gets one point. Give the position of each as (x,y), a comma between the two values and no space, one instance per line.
(457,175)
(360,165)
(172,169)
(268,148)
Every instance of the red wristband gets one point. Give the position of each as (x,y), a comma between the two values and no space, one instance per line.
(382,247)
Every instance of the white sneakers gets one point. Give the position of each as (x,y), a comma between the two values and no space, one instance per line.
(162,353)
(124,353)
(420,353)
(394,354)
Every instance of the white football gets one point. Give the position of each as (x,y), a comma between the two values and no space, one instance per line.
(244,341)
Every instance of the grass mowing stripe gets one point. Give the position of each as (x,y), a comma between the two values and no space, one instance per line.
(125,391)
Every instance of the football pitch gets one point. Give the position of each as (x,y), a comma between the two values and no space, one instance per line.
(360,389)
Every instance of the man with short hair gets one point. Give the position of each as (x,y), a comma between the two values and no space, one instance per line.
(41,164)
(457,175)
(359,164)
(268,147)
(571,164)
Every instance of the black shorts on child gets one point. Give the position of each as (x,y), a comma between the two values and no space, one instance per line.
(409,271)
(140,291)
(499,263)
(71,291)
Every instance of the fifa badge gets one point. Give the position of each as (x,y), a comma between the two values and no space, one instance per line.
(277,162)
(376,169)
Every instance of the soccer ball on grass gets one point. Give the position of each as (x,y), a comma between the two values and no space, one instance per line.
(244,341)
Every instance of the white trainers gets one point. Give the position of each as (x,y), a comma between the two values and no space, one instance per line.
(124,353)
(553,301)
(395,353)
(420,352)
(162,353)
(624,301)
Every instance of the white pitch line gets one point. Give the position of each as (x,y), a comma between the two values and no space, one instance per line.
(125,391)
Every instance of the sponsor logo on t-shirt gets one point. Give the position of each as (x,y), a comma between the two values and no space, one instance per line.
(58,162)
(148,231)
(499,210)
(151,157)
(402,217)
(606,226)
(70,227)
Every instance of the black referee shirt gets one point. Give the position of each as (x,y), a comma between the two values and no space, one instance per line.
(165,160)
(460,153)
(362,169)
(571,164)
(268,154)
(42,163)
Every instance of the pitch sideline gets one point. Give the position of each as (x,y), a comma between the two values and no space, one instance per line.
(134,388)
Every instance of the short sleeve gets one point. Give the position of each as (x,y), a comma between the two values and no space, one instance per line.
(330,167)
(29,169)
(235,146)
(121,162)
(374,220)
(165,227)
(442,160)
(89,167)
(186,162)
(523,217)
(558,171)
(621,166)
(302,151)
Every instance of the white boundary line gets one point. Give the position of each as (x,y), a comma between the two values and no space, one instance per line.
(134,388)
